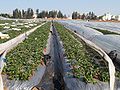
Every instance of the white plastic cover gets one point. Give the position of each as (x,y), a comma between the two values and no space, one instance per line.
(106,42)
(15,41)
(98,49)
(35,79)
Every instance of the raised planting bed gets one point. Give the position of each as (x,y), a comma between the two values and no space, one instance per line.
(6,21)
(87,64)
(13,33)
(105,31)
(3,22)
(1,28)
(24,59)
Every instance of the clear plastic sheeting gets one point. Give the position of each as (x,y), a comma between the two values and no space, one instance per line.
(81,29)
(110,26)
(35,79)
(106,42)
(15,41)
(25,85)
(76,84)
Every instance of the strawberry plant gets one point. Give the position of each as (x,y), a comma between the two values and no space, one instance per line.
(81,57)
(105,31)
(24,59)
(13,33)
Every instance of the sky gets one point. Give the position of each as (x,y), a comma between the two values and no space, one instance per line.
(66,6)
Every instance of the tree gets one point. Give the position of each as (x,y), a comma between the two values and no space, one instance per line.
(52,14)
(46,14)
(79,16)
(65,16)
(30,13)
(100,17)
(13,14)
(19,14)
(37,12)
(5,15)
(83,16)
(59,15)
(43,14)
(39,15)
(16,13)
(91,16)
(23,14)
(74,15)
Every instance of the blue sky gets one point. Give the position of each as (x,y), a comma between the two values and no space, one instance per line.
(66,6)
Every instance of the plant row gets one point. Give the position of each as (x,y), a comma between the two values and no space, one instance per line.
(13,33)
(82,58)
(106,31)
(24,59)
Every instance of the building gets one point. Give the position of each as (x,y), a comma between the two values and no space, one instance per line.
(107,17)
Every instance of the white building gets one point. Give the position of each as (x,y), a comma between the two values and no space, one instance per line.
(107,16)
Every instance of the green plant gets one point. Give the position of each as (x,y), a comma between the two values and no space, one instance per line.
(80,56)
(24,59)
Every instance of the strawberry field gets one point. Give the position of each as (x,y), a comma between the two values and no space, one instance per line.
(20,27)
(24,59)
(105,31)
(81,58)
(13,34)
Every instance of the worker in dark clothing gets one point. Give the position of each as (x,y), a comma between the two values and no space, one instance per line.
(75,31)
(46,58)
(113,55)
(51,31)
